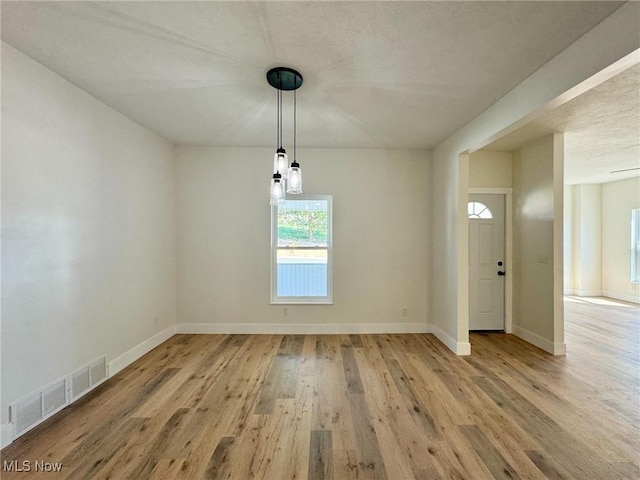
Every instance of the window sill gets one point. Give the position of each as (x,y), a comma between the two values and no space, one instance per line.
(301,302)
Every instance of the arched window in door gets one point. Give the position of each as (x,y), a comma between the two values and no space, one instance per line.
(477,210)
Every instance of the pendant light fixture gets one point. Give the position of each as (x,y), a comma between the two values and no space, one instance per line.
(294,175)
(280,159)
(277,190)
(284,79)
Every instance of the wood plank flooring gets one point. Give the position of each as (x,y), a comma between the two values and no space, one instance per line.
(396,407)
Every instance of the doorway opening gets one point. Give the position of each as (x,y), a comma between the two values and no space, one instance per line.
(489,220)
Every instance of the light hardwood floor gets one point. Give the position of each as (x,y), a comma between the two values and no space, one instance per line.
(341,407)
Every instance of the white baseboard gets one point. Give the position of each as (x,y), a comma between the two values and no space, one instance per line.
(459,348)
(540,342)
(300,328)
(622,296)
(6,434)
(139,350)
(587,293)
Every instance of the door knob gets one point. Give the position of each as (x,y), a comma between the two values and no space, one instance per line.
(501,273)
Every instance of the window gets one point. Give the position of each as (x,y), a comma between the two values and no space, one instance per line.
(478,210)
(301,250)
(635,245)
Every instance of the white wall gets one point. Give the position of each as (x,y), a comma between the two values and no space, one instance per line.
(448,292)
(490,169)
(380,238)
(568,241)
(618,199)
(537,245)
(607,49)
(88,229)
(598,236)
(584,250)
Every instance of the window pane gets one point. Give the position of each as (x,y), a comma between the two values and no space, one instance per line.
(302,223)
(478,210)
(302,273)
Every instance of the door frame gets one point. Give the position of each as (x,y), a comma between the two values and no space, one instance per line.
(508,247)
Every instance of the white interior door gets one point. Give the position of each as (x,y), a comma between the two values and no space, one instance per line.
(486,261)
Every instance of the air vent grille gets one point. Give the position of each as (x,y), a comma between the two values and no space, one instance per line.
(98,372)
(47,401)
(80,382)
(28,413)
(54,398)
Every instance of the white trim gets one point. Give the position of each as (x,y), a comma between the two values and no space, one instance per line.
(540,342)
(139,350)
(459,348)
(300,301)
(299,328)
(604,293)
(622,296)
(508,248)
(559,347)
(326,300)
(6,434)
(494,190)
(587,293)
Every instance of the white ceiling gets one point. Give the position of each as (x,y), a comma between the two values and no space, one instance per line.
(376,74)
(602,131)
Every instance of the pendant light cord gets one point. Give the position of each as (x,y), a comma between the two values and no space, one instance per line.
(280,102)
(279,118)
(279,112)
(294,126)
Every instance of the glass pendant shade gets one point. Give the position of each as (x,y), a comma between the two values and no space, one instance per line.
(294,183)
(277,190)
(280,162)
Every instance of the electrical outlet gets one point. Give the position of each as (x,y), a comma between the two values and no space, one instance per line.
(155,320)
(285,311)
(543,259)
(405,311)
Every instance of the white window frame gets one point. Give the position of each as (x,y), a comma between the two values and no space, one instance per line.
(635,245)
(324,300)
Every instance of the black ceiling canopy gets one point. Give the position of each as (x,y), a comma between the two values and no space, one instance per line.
(284,78)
